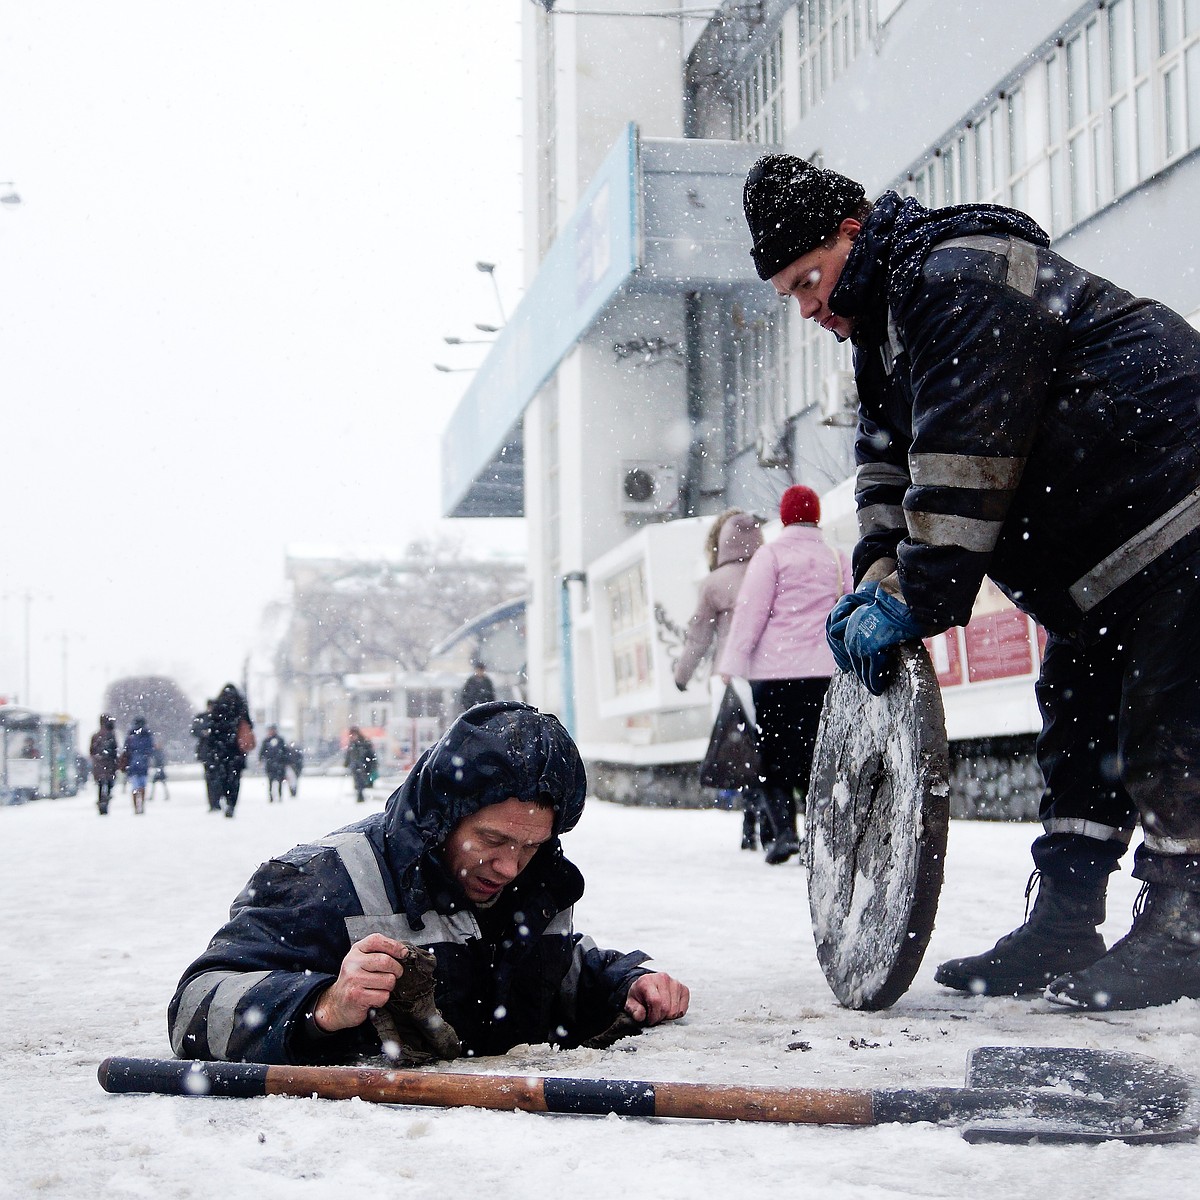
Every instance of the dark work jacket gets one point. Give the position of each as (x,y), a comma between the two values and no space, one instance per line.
(515,972)
(1019,417)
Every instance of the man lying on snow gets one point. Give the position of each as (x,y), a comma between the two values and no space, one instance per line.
(437,927)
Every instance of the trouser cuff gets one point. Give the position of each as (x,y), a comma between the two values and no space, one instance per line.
(1172,870)
(1071,858)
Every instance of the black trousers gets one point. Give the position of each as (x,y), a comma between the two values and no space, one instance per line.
(787,713)
(224,780)
(1120,741)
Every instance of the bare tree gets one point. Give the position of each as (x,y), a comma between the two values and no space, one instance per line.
(387,615)
(159,699)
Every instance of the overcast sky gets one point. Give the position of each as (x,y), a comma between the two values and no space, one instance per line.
(245,230)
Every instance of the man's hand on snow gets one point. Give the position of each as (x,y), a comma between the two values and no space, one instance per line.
(657,997)
(365,981)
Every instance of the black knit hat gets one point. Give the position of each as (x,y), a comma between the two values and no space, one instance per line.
(792,207)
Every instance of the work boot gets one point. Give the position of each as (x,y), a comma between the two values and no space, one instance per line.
(1059,935)
(1156,962)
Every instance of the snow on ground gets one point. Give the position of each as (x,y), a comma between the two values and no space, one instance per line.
(98,917)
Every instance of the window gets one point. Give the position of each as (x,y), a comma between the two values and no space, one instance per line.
(760,375)
(630,626)
(547,135)
(1116,101)
(758,98)
(833,33)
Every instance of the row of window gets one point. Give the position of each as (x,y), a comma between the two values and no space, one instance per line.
(1110,106)
(831,35)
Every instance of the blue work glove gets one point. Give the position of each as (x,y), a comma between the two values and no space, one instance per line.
(839,615)
(873,631)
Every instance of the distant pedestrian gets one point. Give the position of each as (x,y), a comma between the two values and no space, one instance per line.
(158,767)
(777,642)
(273,754)
(230,738)
(478,689)
(295,764)
(732,540)
(104,752)
(360,758)
(139,745)
(201,729)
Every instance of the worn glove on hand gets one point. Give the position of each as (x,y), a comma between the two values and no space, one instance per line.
(410,1026)
(873,631)
(839,614)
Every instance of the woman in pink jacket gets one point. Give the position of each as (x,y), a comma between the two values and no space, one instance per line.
(777,641)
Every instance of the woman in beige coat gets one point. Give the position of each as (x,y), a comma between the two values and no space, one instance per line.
(731,543)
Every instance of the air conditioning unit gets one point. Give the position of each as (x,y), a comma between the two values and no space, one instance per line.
(839,401)
(773,447)
(649,487)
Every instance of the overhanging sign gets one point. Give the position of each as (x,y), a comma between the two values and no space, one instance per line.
(591,259)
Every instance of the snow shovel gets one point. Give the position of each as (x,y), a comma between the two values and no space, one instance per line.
(1013,1094)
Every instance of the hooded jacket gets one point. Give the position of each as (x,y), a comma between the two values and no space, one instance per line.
(778,629)
(511,973)
(139,745)
(1019,417)
(740,537)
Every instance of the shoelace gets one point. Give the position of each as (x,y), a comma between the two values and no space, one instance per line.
(1033,882)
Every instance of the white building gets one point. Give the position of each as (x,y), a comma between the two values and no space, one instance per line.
(649,380)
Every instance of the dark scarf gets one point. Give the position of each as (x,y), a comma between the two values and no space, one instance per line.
(884,267)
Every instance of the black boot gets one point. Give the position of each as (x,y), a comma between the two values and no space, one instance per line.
(1059,935)
(779,812)
(750,824)
(1156,962)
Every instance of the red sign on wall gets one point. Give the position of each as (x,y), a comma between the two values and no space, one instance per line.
(998,646)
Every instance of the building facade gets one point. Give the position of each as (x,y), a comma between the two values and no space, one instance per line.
(649,380)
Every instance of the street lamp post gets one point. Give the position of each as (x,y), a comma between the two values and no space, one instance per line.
(489,269)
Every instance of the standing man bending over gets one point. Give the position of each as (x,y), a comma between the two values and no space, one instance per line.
(442,925)
(1024,419)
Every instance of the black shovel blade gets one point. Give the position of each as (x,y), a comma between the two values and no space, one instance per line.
(1099,1096)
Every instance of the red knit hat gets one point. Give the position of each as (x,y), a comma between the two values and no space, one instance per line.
(799,504)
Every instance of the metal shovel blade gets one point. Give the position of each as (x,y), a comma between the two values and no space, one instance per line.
(1094,1095)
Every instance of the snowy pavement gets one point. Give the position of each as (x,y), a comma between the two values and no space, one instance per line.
(98,918)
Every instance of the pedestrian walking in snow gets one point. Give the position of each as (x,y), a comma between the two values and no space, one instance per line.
(229,739)
(440,926)
(777,642)
(158,770)
(731,542)
(273,754)
(1022,418)
(478,688)
(139,745)
(293,767)
(104,753)
(360,759)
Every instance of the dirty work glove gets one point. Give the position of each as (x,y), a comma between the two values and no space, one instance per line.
(839,614)
(410,1026)
(873,631)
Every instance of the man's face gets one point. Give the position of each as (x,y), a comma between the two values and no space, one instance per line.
(813,276)
(489,849)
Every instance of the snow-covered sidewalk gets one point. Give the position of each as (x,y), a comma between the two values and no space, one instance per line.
(98,917)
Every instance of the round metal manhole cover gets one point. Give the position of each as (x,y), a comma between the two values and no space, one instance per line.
(876,826)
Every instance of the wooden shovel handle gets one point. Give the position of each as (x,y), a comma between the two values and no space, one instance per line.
(442,1089)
